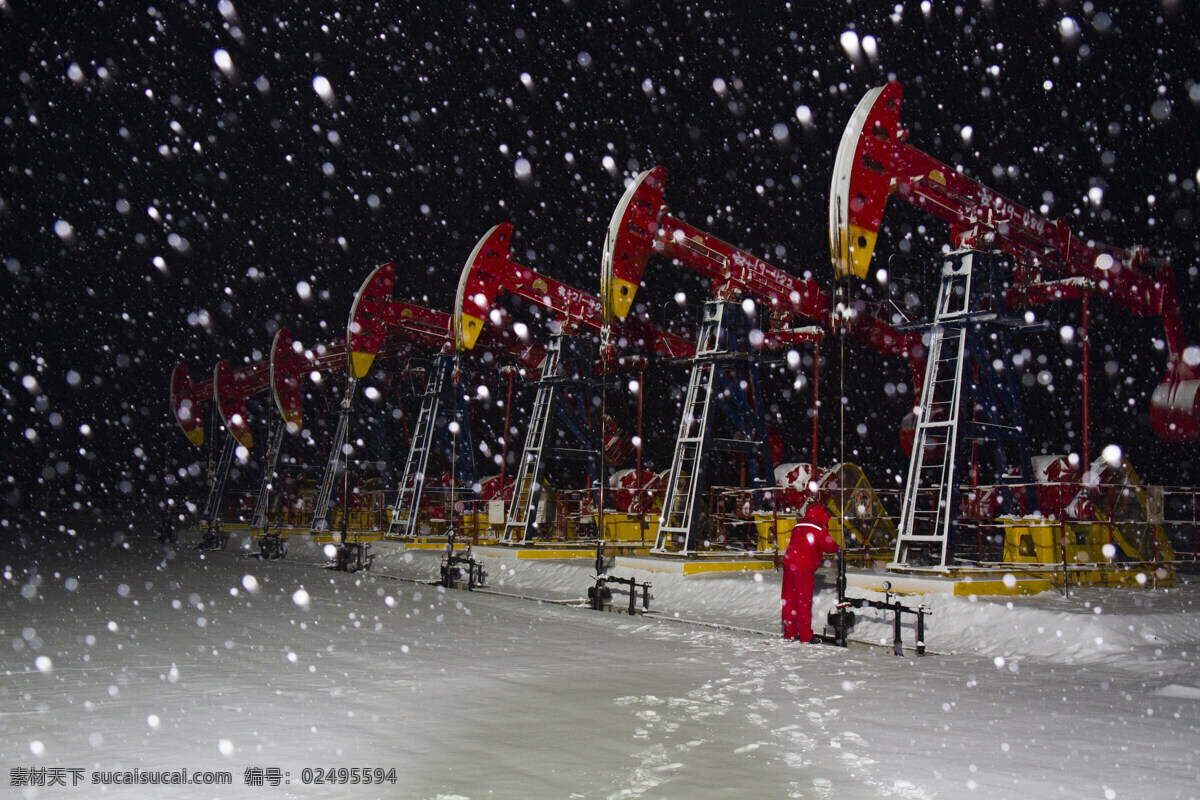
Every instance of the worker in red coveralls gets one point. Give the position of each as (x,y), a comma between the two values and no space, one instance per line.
(806,550)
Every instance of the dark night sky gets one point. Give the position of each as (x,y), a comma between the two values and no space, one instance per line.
(155,207)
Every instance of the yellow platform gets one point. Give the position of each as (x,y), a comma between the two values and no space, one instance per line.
(538,552)
(960,585)
(689,566)
(621,528)
(1089,553)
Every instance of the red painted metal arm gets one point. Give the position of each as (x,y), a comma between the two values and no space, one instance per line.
(327,357)
(577,309)
(491,271)
(982,219)
(736,274)
(289,366)
(416,319)
(641,225)
(573,307)
(376,317)
(381,327)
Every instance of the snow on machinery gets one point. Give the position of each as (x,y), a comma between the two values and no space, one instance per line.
(567,386)
(1005,257)
(640,227)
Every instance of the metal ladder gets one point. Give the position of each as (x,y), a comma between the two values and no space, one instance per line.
(335,464)
(677,522)
(262,506)
(212,506)
(412,482)
(521,511)
(929,510)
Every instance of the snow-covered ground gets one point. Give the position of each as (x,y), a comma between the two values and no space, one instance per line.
(123,655)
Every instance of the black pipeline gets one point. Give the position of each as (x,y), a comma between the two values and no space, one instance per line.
(841,619)
(452,568)
(600,595)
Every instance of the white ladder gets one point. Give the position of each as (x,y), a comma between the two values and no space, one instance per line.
(521,511)
(930,491)
(262,506)
(406,510)
(217,476)
(335,464)
(677,522)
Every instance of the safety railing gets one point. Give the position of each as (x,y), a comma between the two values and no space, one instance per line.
(1160,524)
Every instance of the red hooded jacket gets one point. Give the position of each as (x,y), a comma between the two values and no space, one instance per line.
(810,541)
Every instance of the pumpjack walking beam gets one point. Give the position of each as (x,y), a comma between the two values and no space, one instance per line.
(641,227)
(378,327)
(491,271)
(377,318)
